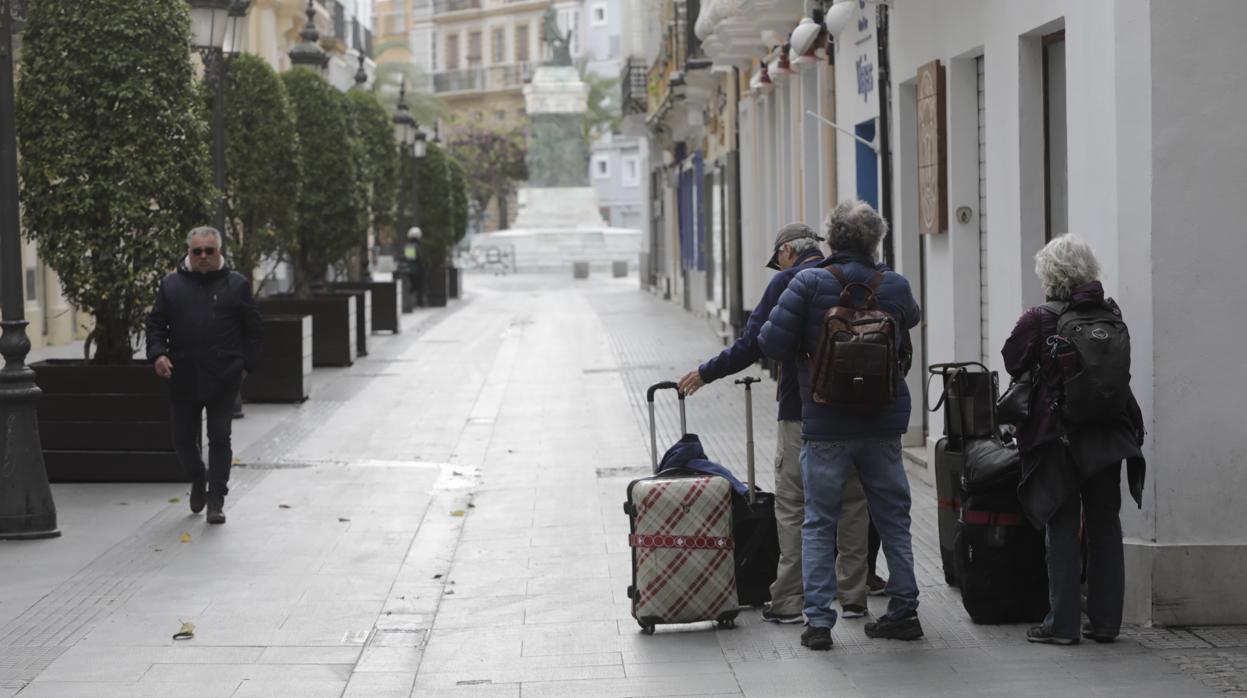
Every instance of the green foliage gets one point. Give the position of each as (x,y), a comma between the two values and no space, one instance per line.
(458,200)
(332,204)
(435,214)
(424,105)
(492,160)
(602,113)
(380,172)
(261,162)
(114,165)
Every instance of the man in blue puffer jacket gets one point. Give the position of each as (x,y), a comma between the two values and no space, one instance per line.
(838,441)
(796,248)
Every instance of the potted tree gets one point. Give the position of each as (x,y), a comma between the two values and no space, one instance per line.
(434,216)
(379,171)
(114,171)
(330,208)
(459,218)
(262,187)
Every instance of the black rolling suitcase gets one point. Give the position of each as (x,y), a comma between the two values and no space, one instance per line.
(999,556)
(969,400)
(753,526)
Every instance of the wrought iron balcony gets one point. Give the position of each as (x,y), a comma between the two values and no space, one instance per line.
(483,78)
(633,86)
(443,6)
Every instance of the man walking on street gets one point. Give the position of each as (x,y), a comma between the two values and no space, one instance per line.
(839,440)
(203,336)
(796,248)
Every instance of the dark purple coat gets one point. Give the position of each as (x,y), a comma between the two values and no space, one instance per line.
(1087,450)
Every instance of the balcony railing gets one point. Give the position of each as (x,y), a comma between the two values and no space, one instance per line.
(442,6)
(633,86)
(483,79)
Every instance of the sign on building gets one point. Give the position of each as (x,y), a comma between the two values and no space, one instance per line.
(932,150)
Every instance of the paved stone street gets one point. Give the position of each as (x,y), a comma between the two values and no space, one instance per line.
(444,519)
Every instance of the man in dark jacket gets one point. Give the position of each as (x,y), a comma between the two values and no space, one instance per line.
(203,336)
(839,440)
(796,248)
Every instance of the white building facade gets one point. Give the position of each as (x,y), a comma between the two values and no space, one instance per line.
(1113,120)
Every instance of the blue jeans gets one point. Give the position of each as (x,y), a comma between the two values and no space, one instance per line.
(824,467)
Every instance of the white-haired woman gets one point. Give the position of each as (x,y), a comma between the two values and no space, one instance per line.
(1072,468)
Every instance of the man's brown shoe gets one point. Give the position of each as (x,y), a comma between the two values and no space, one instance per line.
(199,494)
(216,515)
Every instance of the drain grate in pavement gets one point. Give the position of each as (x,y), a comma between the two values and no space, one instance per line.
(399,638)
(1164,638)
(274,466)
(626,471)
(1222,637)
(20,665)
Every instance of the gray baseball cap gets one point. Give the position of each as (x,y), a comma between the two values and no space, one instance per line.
(788,233)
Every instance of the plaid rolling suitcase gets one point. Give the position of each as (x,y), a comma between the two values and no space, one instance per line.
(683,565)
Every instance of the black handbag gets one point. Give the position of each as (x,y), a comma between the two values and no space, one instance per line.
(969,398)
(1014,407)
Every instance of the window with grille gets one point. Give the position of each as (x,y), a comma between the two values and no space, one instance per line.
(498,45)
(521,43)
(474,49)
(452,52)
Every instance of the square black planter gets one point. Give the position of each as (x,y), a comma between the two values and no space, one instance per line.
(284,371)
(334,338)
(105,423)
(386,302)
(363,313)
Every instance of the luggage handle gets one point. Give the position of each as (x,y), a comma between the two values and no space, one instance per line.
(653,428)
(747,382)
(944,370)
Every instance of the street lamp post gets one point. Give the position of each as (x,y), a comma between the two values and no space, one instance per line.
(26,507)
(214,27)
(361,82)
(308,53)
(412,141)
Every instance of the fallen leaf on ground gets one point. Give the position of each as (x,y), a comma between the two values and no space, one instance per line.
(175,500)
(437,576)
(283,506)
(187,631)
(471,505)
(457,512)
(159,550)
(449,592)
(343,519)
(186,537)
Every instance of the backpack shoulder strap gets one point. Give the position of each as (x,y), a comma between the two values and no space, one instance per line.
(1056,307)
(875,281)
(837,272)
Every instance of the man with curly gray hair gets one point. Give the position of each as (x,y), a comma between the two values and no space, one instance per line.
(839,440)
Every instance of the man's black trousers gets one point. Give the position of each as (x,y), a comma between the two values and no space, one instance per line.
(185,419)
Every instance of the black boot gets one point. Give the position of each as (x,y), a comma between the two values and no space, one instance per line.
(199,493)
(216,511)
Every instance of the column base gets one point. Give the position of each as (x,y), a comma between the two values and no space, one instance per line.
(1170,584)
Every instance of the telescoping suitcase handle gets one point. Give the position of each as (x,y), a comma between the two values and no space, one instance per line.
(653,429)
(747,382)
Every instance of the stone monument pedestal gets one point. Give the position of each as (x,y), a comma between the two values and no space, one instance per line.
(560,219)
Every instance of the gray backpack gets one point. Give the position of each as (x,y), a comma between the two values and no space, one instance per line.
(1092,347)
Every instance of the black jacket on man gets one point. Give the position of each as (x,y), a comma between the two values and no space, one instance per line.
(209,327)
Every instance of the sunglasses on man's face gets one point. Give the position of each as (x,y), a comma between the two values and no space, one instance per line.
(203,251)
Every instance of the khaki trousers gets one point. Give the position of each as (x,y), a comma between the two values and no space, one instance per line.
(787,595)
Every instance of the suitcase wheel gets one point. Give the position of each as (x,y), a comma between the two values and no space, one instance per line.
(647,629)
(726,622)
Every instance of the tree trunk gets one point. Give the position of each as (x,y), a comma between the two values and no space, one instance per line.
(503,223)
(302,275)
(112,341)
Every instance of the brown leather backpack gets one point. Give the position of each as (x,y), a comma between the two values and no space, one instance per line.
(855,363)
